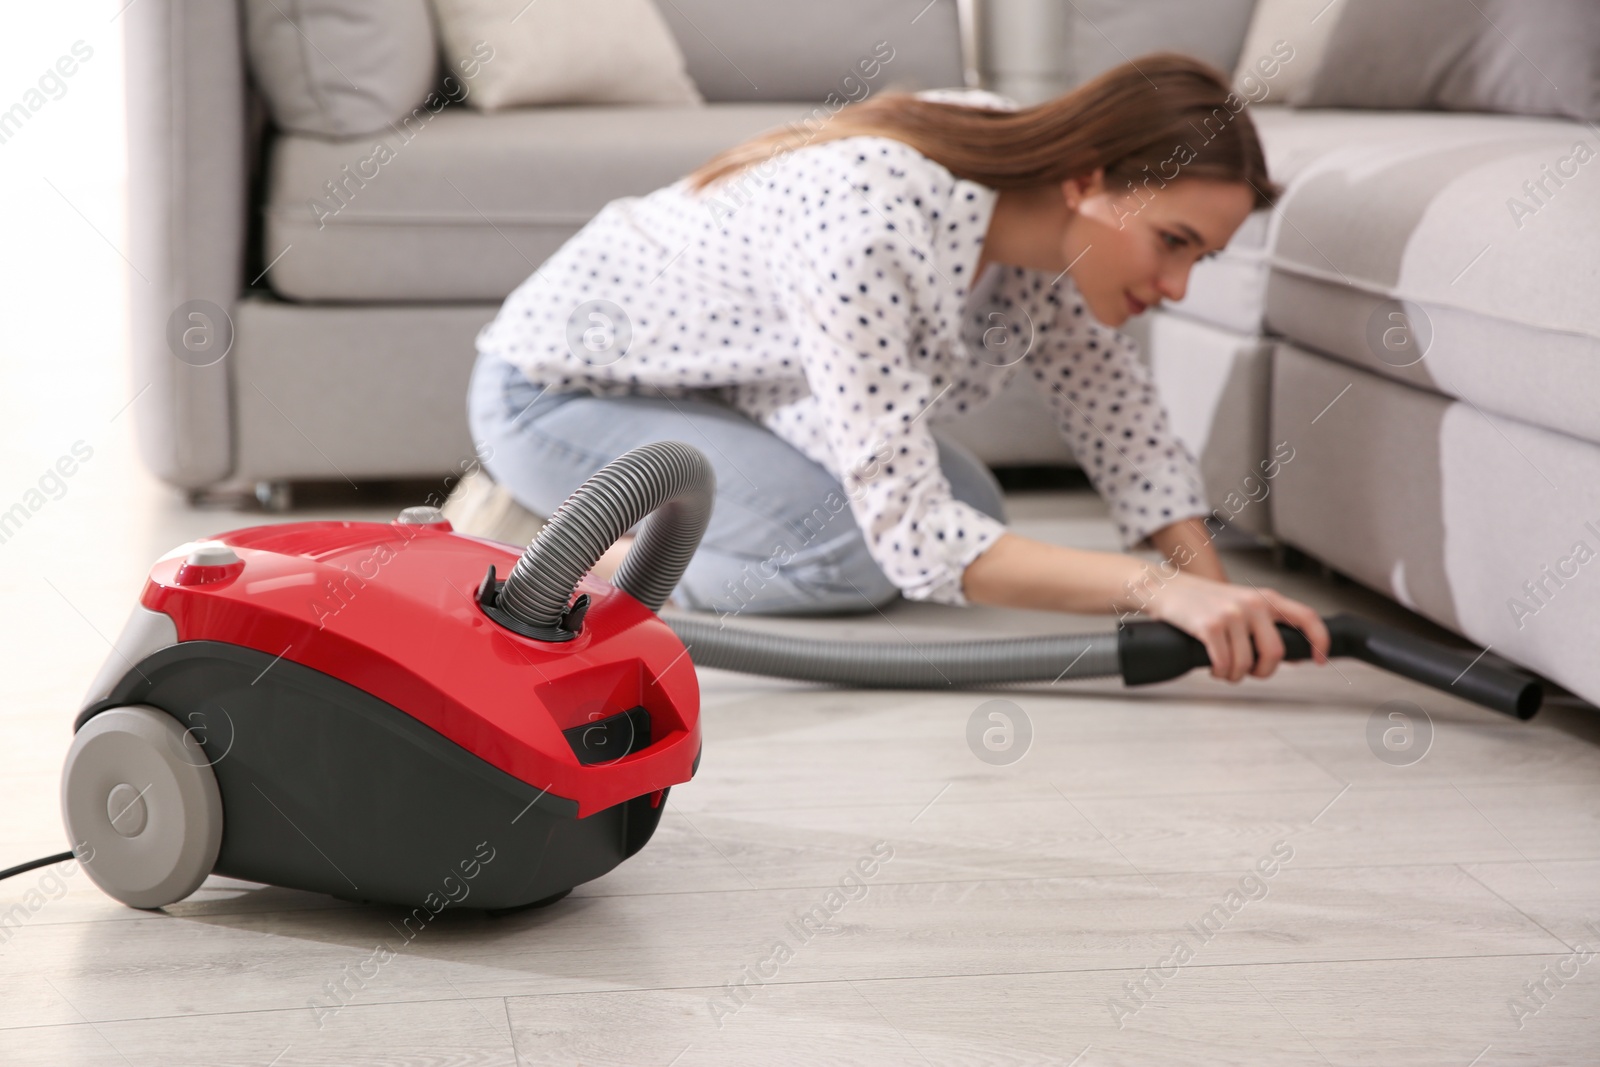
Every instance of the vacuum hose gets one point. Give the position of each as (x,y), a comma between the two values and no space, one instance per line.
(674,485)
(934,665)
(669,481)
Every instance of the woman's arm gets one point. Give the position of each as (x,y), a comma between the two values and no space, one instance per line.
(1236,624)
(1020,572)
(1109,411)
(1188,544)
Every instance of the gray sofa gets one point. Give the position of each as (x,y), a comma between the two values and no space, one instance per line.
(285,347)
(1457,484)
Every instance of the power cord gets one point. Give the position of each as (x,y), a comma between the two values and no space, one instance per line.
(24,868)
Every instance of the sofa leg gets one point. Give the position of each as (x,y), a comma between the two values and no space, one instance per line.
(1289,558)
(274,496)
(227,496)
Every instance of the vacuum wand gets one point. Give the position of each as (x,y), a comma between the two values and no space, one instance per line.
(1139,653)
(1157,651)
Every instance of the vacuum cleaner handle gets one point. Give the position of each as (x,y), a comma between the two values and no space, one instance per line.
(1152,651)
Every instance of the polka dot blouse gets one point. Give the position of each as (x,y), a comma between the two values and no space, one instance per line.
(828,294)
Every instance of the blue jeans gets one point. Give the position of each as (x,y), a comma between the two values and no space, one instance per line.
(782,538)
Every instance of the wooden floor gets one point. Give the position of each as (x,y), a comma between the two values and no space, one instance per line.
(1098,901)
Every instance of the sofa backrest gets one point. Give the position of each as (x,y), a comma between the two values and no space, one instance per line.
(1102,34)
(771,50)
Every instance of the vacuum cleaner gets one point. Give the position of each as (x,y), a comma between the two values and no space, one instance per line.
(370,710)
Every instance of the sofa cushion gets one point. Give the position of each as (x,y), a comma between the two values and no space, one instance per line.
(1425,216)
(1453,252)
(463,206)
(351,393)
(1231,289)
(387,60)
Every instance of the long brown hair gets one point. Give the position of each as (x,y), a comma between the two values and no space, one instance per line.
(1155,119)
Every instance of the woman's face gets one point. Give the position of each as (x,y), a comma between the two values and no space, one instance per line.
(1129,251)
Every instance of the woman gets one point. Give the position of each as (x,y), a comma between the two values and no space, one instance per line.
(806,307)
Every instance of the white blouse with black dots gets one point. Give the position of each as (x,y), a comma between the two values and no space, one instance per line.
(825,293)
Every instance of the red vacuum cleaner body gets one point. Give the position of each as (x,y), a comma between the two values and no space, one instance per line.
(330,706)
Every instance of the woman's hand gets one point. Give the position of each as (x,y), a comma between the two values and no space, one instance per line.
(1020,572)
(1226,617)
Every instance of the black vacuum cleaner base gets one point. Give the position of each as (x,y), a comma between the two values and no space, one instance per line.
(329,789)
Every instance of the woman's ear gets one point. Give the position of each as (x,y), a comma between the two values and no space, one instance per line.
(1074,191)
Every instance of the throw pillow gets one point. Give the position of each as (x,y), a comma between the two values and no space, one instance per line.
(1102,34)
(1284,49)
(340,68)
(567,52)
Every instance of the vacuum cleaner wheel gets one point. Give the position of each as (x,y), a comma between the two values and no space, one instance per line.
(141,805)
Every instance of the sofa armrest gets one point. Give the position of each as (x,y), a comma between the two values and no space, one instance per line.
(188,179)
